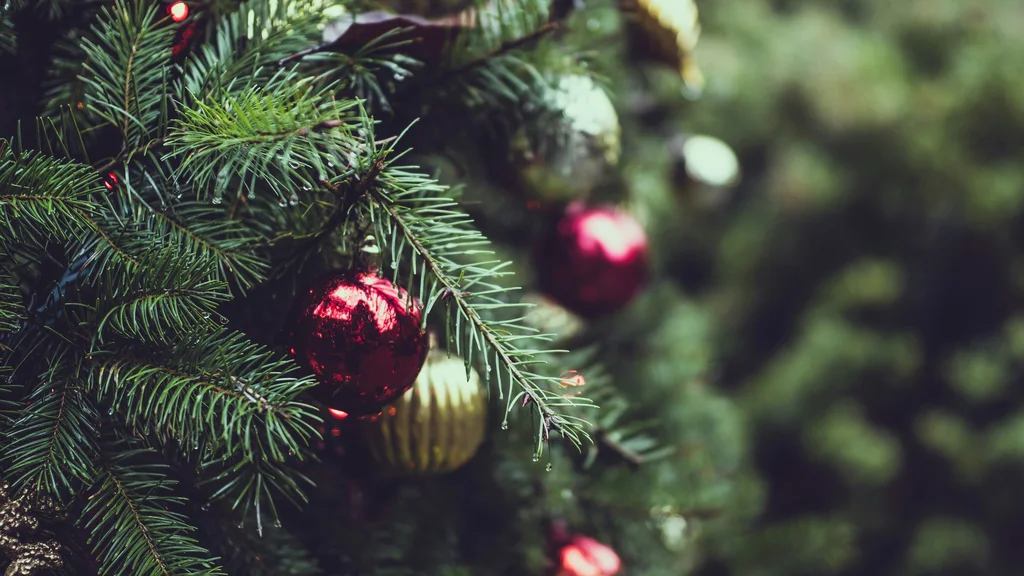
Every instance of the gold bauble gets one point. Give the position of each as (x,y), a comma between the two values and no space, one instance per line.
(436,426)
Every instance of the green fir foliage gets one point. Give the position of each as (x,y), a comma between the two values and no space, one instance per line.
(133,518)
(176,198)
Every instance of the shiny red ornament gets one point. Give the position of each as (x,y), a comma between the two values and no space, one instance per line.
(595,261)
(584,556)
(361,337)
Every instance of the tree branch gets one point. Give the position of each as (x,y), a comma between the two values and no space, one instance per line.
(551,418)
(632,458)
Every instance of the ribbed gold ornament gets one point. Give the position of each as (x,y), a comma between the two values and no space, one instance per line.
(435,427)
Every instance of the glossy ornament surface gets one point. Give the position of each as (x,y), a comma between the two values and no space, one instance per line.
(436,426)
(595,261)
(361,337)
(589,144)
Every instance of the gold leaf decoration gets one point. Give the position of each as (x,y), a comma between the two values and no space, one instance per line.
(23,551)
(671,29)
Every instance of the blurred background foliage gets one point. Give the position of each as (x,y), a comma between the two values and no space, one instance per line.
(864,281)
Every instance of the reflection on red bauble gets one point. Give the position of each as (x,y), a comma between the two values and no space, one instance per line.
(584,556)
(362,339)
(595,261)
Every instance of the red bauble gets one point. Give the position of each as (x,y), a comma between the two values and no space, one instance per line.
(583,556)
(357,333)
(595,261)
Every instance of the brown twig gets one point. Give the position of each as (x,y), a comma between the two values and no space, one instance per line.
(304,53)
(506,47)
(632,458)
(345,198)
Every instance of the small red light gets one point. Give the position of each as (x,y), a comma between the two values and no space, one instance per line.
(110,181)
(178,11)
(588,557)
(338,413)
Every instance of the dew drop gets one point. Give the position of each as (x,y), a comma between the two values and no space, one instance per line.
(163,205)
(206,315)
(504,425)
(293,199)
(241,525)
(536,457)
(205,507)
(217,200)
(252,196)
(177,196)
(549,467)
(282,202)
(277,523)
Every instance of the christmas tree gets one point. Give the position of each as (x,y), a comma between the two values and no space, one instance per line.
(261,306)
(868,270)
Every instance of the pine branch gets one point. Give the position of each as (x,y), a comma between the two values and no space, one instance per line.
(169,297)
(229,399)
(44,198)
(126,70)
(616,429)
(244,49)
(12,308)
(502,22)
(195,227)
(50,446)
(507,47)
(217,386)
(429,230)
(274,553)
(252,484)
(370,73)
(129,514)
(147,213)
(287,139)
(8,41)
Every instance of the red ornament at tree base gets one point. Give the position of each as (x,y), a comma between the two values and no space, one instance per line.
(361,336)
(595,261)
